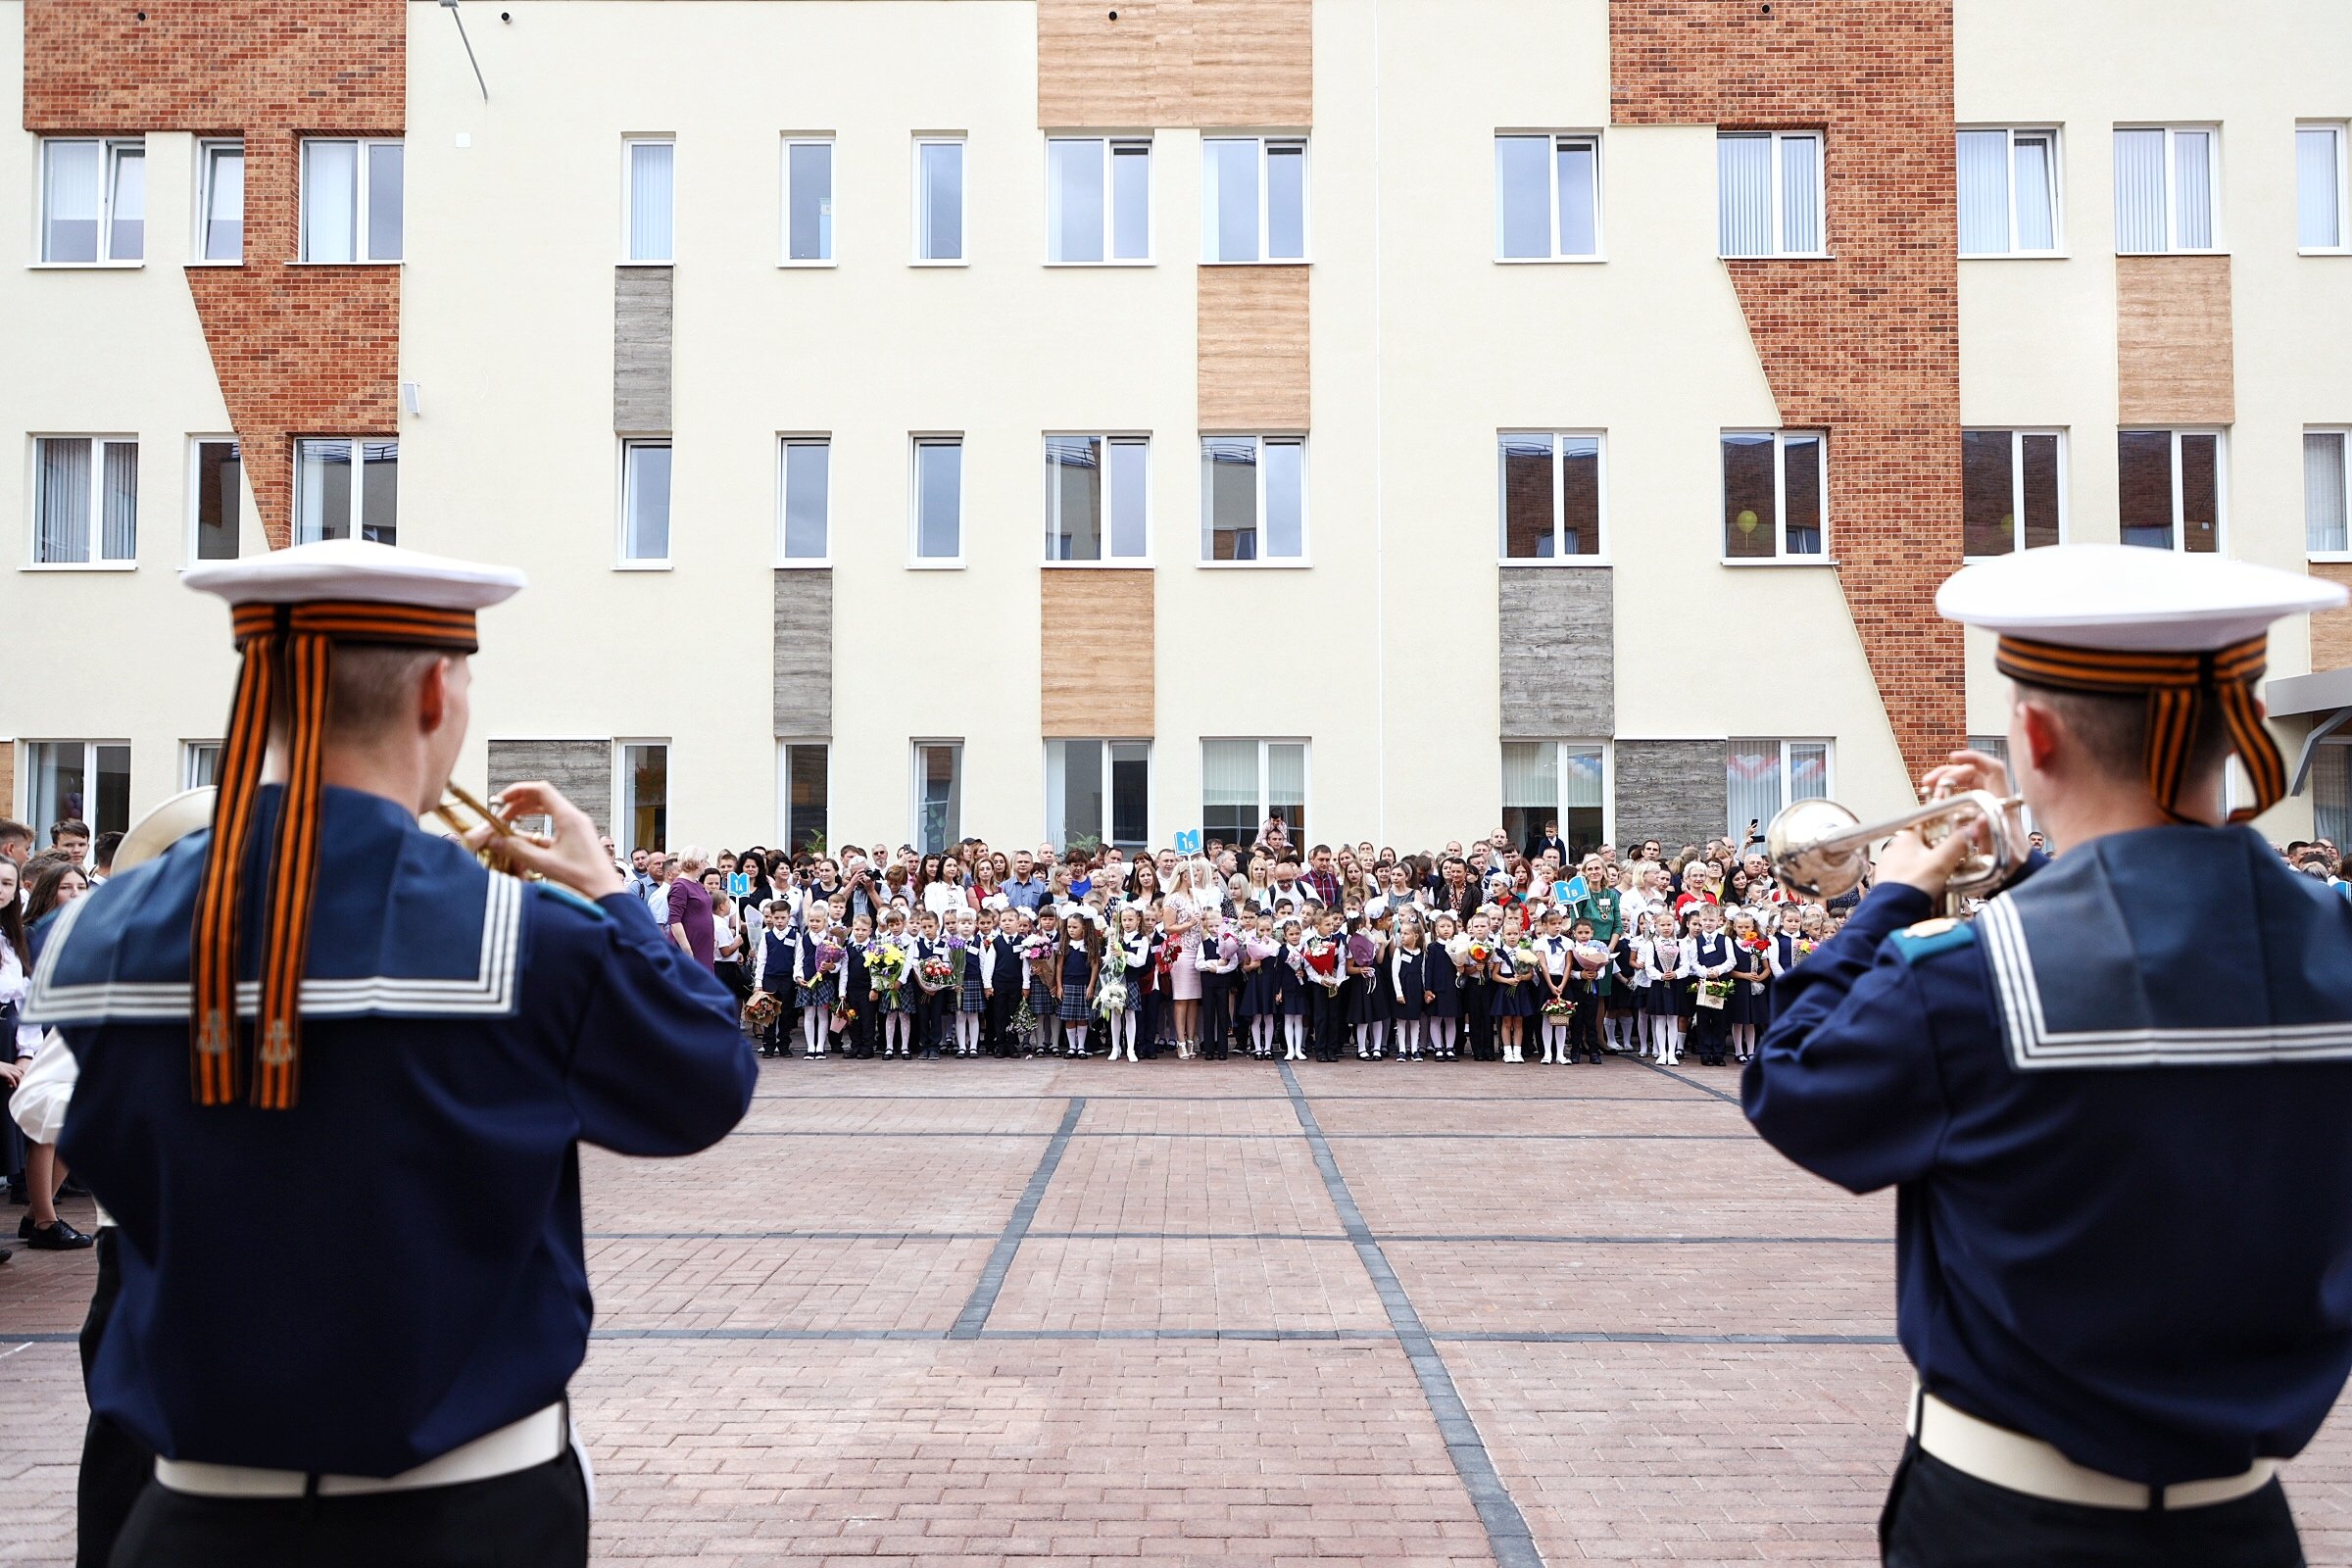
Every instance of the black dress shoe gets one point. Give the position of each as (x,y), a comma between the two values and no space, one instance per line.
(56,1237)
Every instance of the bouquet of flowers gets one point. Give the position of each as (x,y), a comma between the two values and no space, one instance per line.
(1362,950)
(1714,993)
(1756,944)
(1110,998)
(1259,948)
(1558,1008)
(958,955)
(1229,953)
(888,964)
(1469,949)
(1593,955)
(1804,948)
(936,972)
(1322,962)
(1035,946)
(1024,1025)
(842,1017)
(1525,957)
(828,959)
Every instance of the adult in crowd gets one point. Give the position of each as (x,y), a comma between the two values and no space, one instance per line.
(56,884)
(72,838)
(688,917)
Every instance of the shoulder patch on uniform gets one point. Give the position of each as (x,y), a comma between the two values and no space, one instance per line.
(1930,937)
(563,894)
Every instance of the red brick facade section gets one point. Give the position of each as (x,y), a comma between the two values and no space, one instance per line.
(1866,345)
(298,350)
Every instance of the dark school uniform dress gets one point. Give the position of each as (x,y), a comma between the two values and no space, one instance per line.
(974,997)
(1291,987)
(1261,987)
(857,997)
(1512,1001)
(1751,999)
(1075,1008)
(1441,978)
(1657,999)
(1409,982)
(1786,958)
(822,990)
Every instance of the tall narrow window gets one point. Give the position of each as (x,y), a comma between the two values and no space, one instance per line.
(649,171)
(352,197)
(329,505)
(1254,199)
(938,794)
(2320,188)
(1550,496)
(85,501)
(1546,197)
(82,781)
(939,200)
(807,487)
(1252,498)
(1768,193)
(1762,777)
(1774,495)
(93,201)
(1562,782)
(807,784)
(2011,495)
(2331,792)
(221,202)
(220,486)
(645,502)
(644,796)
(1242,782)
(2008,192)
(199,765)
(1098,490)
(938,499)
(2325,502)
(2164,178)
(1098,794)
(807,200)
(1098,199)
(2168,489)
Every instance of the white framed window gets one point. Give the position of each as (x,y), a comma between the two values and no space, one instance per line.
(77,781)
(352,200)
(199,765)
(2322,191)
(808,201)
(649,198)
(805,492)
(1762,776)
(1098,199)
(2331,790)
(939,501)
(803,793)
(329,505)
(2326,505)
(93,201)
(1098,794)
(85,501)
(2011,490)
(1254,498)
(2008,180)
(1768,193)
(642,779)
(645,503)
(1549,496)
(1775,496)
(1254,199)
(938,794)
(216,498)
(2170,486)
(939,198)
(1562,782)
(1242,782)
(1099,499)
(1546,197)
(221,202)
(2166,189)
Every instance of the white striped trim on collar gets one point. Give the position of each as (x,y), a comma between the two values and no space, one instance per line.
(2035,1046)
(488,992)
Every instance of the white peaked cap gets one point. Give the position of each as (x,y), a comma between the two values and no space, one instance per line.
(2129,597)
(356,570)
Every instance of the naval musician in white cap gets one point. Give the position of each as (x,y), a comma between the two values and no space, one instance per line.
(2114,1119)
(318,1012)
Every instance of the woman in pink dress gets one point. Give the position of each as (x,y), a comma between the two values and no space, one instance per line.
(1180,925)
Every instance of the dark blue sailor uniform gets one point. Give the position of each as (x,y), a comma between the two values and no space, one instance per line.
(421,1280)
(2115,1118)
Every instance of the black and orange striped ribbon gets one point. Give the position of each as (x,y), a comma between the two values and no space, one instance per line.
(289,647)
(2177,686)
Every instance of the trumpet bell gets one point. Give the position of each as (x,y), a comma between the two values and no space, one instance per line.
(1813,851)
(171,821)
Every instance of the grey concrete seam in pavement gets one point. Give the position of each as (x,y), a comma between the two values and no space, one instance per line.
(1507,1534)
(974,1316)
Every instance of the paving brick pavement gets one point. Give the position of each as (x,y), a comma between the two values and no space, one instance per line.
(1666,1344)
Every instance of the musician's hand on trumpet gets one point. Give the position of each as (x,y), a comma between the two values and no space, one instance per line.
(569,854)
(1908,857)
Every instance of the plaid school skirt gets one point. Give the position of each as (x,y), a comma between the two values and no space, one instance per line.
(1073,1005)
(975,995)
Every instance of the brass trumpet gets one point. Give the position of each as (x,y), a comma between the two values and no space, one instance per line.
(1821,850)
(184,814)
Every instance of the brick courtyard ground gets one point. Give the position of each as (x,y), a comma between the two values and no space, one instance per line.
(957,1313)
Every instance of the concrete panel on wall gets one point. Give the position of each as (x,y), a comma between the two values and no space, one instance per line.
(1556,626)
(641,353)
(2172,343)
(1149,63)
(1671,791)
(1253,347)
(581,770)
(2331,632)
(804,645)
(1108,690)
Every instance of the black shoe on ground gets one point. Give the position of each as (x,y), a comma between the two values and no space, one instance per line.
(56,1237)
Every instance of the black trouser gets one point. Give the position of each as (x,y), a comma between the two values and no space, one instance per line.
(1327,1015)
(1216,1015)
(1937,1517)
(996,1022)
(115,1466)
(930,1019)
(1583,1024)
(535,1518)
(1478,1018)
(1154,1006)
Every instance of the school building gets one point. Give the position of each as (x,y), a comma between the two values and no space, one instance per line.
(1109,419)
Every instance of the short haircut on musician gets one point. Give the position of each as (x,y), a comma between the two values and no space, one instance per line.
(370,688)
(2113,732)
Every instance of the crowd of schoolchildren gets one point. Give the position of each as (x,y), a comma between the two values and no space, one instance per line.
(1502,951)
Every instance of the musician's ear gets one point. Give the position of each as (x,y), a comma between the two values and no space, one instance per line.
(2040,727)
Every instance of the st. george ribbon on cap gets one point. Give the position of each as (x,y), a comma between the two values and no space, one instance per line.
(2121,620)
(291,608)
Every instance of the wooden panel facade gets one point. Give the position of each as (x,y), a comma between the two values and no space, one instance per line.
(1145,64)
(1253,337)
(2331,632)
(1107,612)
(2172,342)
(1254,64)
